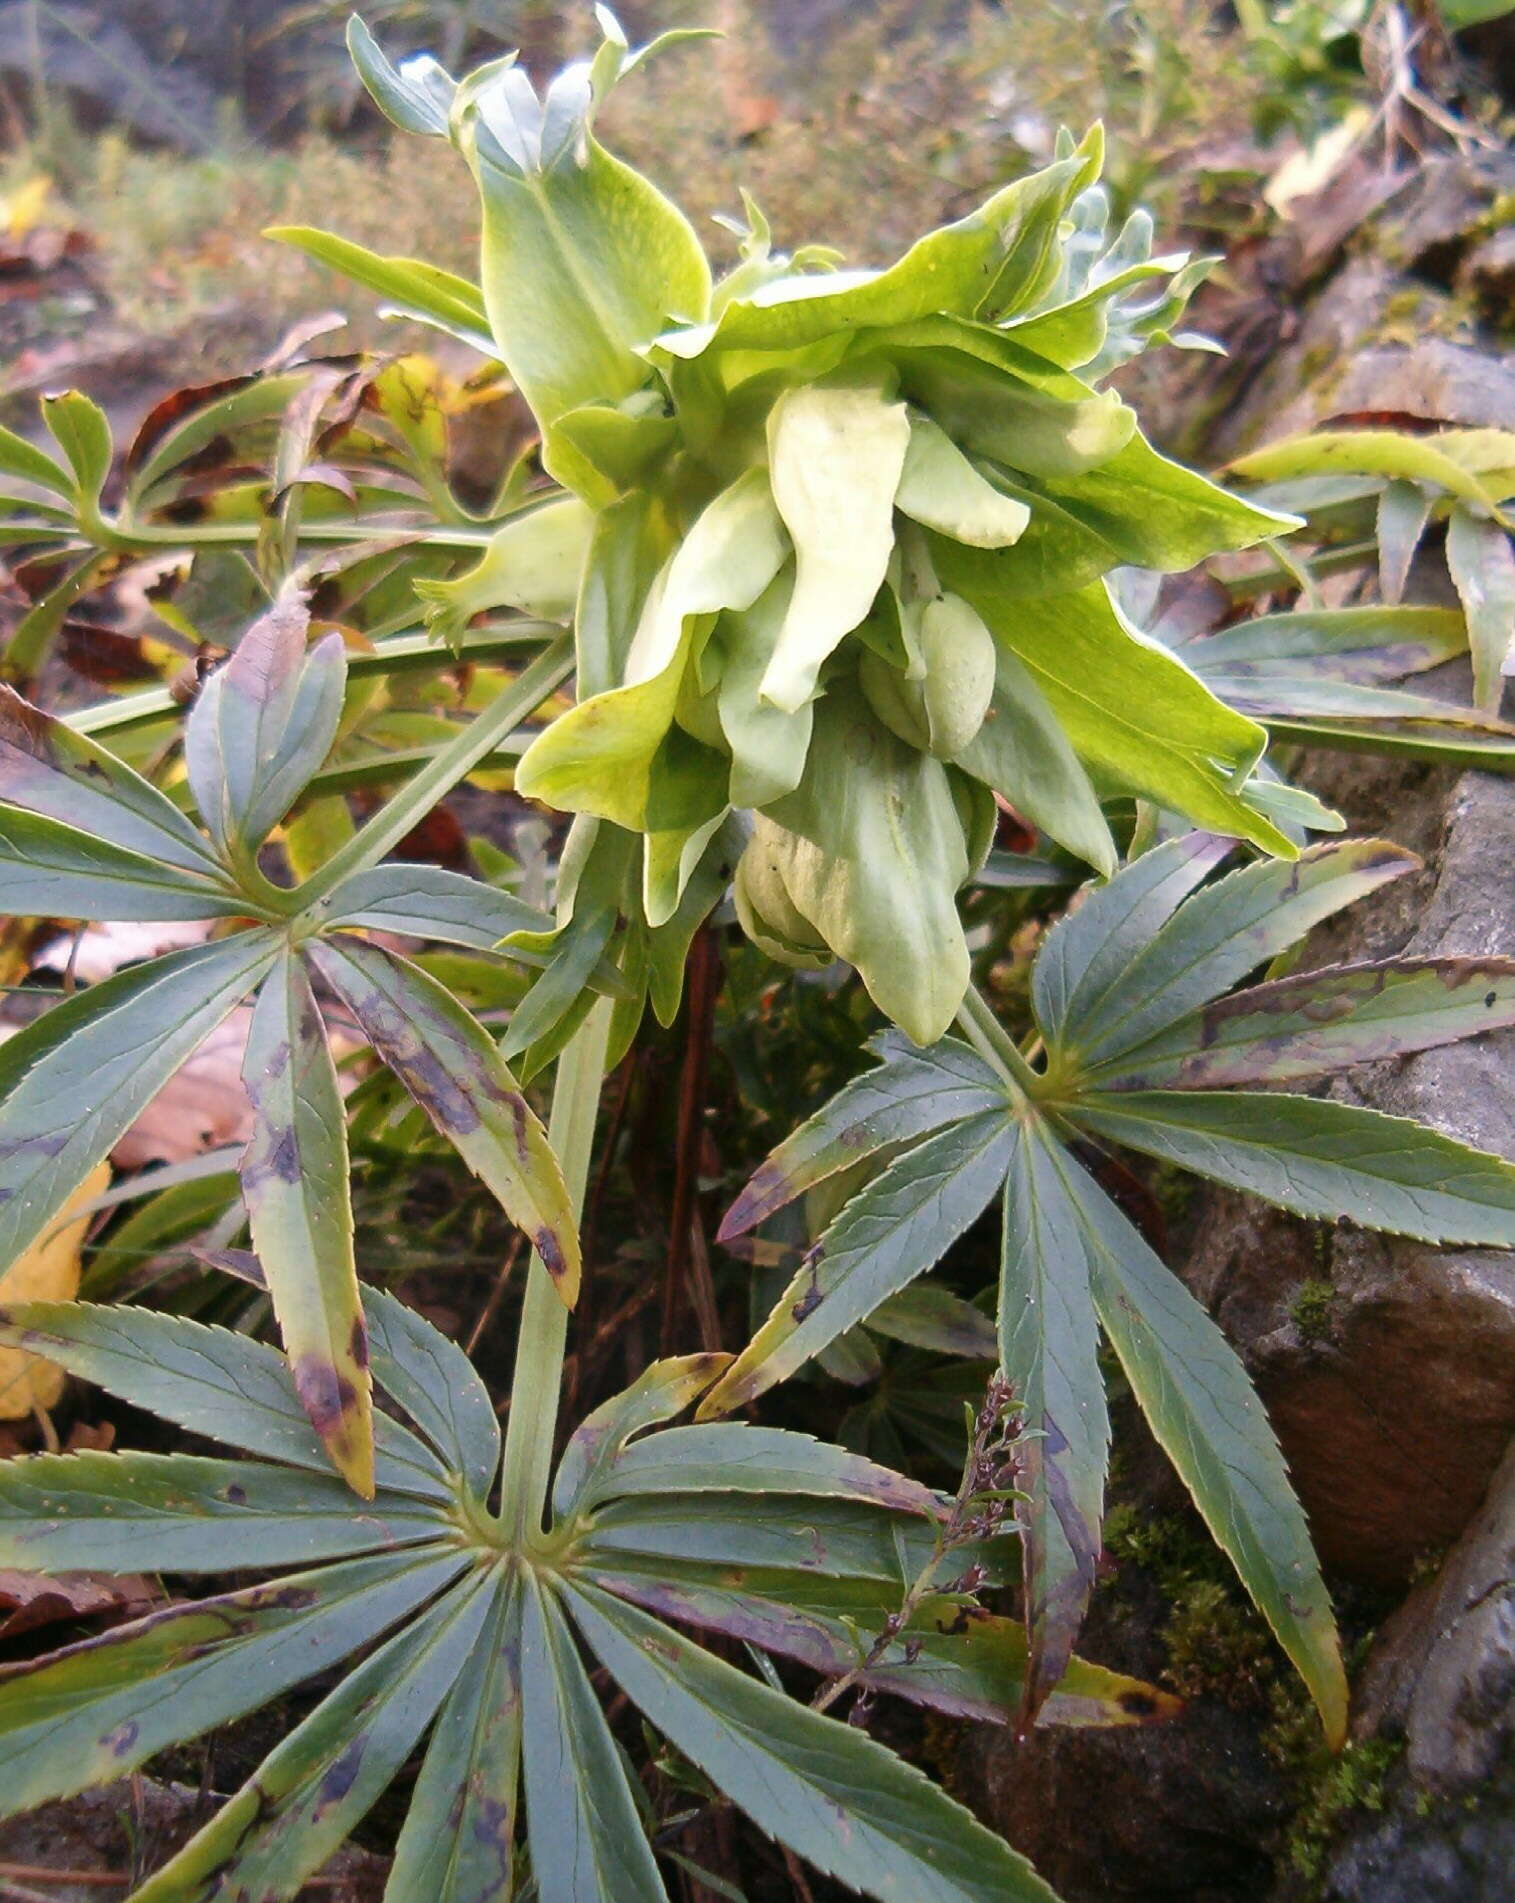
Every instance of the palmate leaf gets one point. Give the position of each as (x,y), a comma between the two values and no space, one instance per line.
(476,1639)
(1130,993)
(792,1772)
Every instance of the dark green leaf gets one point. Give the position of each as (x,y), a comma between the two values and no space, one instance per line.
(910,1094)
(458,1842)
(176,1513)
(211,1381)
(1088,949)
(1205,1412)
(836,1537)
(658,1394)
(312,1788)
(839,1800)
(732,1457)
(438,1387)
(75,1080)
(895,1229)
(1220,935)
(1319,1158)
(1049,1352)
(98,1709)
(294,1183)
(587,1840)
(428,902)
(50,870)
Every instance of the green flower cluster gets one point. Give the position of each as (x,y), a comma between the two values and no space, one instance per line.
(834,541)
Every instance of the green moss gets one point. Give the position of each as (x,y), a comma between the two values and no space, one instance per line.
(1310,1311)
(1218,1647)
(1357,1781)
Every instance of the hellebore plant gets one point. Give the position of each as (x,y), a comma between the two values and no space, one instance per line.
(839,553)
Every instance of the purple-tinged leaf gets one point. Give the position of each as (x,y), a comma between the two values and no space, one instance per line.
(263,724)
(48,769)
(895,1229)
(970,1664)
(1372,645)
(828,1791)
(1483,569)
(1320,1021)
(452,1068)
(658,1394)
(295,1185)
(210,1381)
(838,1538)
(1404,509)
(1049,1352)
(1222,934)
(325,1775)
(178,1513)
(586,1836)
(458,1841)
(909,1095)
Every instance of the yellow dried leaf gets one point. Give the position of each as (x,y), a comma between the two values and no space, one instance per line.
(47,1272)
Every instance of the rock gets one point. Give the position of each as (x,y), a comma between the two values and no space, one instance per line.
(1186,1812)
(1436,380)
(1442,1679)
(1402,1363)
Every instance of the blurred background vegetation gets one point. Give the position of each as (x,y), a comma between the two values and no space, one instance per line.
(154,139)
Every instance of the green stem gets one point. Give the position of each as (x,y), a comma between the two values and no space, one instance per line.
(534,1391)
(455,762)
(994,1043)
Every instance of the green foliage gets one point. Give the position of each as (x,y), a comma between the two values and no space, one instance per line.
(469,1636)
(1462,477)
(1130,991)
(856,565)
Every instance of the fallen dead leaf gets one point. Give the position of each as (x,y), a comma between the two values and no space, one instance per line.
(29,1600)
(47,1272)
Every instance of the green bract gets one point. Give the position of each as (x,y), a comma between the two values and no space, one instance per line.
(472,1637)
(840,536)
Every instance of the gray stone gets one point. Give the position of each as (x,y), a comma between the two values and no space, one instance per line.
(1442,1679)
(1413,1372)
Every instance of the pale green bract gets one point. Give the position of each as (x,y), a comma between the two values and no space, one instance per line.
(849,508)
